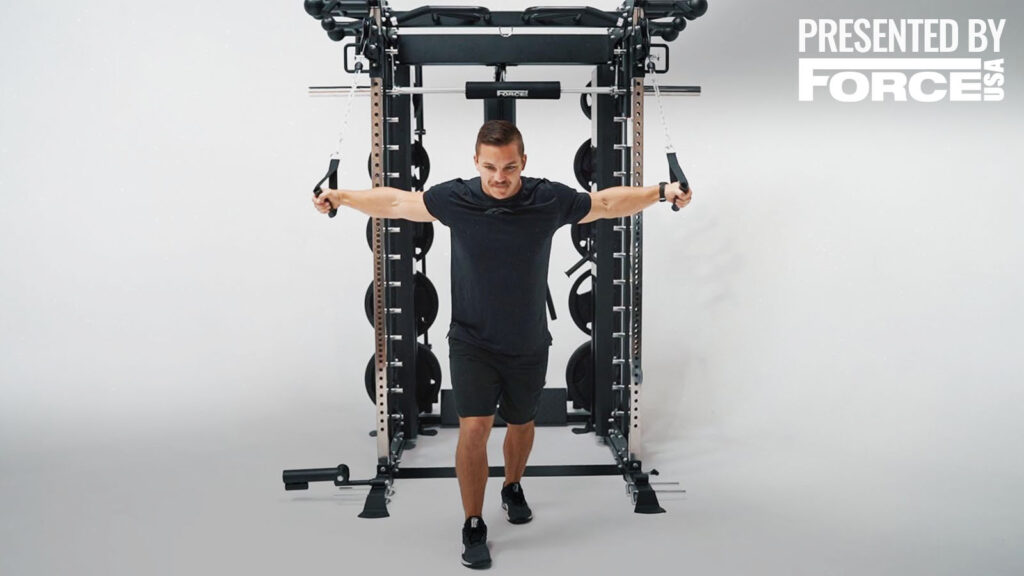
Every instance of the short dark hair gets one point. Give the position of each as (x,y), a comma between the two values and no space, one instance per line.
(499,133)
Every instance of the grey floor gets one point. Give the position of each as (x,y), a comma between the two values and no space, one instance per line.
(207,498)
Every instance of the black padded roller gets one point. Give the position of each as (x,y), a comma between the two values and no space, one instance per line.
(521,90)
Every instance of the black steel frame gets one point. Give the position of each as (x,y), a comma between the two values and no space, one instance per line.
(618,52)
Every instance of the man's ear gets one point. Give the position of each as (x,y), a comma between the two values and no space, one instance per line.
(524,162)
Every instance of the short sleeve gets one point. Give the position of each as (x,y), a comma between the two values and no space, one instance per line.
(572,205)
(438,200)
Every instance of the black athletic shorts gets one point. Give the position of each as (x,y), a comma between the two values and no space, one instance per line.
(483,380)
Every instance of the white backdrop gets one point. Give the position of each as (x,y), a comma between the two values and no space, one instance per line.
(830,326)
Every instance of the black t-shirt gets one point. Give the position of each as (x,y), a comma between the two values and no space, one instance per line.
(500,254)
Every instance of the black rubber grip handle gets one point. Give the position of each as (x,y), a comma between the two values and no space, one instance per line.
(332,182)
(675,174)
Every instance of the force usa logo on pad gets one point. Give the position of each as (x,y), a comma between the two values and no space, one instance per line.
(901,60)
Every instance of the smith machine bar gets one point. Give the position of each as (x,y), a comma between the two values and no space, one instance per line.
(604,374)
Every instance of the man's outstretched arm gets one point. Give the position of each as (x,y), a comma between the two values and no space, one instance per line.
(383,202)
(620,201)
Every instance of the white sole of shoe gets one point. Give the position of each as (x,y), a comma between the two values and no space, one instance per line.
(509,520)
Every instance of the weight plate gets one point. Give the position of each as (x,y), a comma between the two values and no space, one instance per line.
(420,165)
(425,296)
(370,377)
(425,301)
(583,165)
(579,377)
(368,303)
(422,237)
(581,304)
(581,238)
(585,102)
(428,378)
(369,233)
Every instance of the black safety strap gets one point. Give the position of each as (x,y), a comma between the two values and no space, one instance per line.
(332,183)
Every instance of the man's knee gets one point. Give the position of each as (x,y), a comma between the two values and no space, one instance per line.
(475,429)
(519,428)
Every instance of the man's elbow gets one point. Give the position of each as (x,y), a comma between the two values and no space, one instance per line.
(609,208)
(599,209)
(410,206)
(395,209)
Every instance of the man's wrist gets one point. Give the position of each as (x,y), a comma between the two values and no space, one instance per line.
(661,191)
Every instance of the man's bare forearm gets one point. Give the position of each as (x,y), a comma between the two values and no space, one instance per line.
(377,202)
(619,201)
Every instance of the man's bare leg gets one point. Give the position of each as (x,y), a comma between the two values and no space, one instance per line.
(471,462)
(518,443)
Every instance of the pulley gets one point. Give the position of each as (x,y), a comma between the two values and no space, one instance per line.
(428,378)
(579,377)
(425,302)
(422,237)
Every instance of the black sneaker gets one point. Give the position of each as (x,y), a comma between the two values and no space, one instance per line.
(514,503)
(474,543)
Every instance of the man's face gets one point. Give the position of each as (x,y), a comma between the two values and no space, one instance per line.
(500,168)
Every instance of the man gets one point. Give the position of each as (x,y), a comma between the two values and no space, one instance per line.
(501,228)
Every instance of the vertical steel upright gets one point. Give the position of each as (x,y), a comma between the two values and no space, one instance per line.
(633,73)
(378,172)
(400,249)
(606,136)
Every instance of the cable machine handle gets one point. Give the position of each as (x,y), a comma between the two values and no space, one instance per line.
(675,174)
(332,183)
